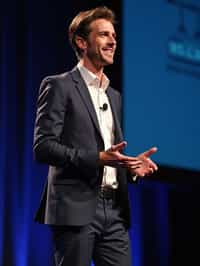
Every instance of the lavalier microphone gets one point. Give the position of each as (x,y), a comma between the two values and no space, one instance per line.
(104,107)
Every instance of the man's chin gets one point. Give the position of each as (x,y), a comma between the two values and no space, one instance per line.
(108,62)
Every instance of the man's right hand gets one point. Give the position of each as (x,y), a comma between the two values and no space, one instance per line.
(114,158)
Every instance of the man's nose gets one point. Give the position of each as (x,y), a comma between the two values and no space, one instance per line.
(112,40)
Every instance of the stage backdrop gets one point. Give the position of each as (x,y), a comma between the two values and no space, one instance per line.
(162,79)
(33,44)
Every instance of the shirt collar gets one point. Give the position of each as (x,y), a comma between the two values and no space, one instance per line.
(91,79)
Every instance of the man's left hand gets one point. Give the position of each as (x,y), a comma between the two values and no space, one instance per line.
(147,166)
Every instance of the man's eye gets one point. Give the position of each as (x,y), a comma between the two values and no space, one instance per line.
(103,34)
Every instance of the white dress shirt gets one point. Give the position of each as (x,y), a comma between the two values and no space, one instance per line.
(97,89)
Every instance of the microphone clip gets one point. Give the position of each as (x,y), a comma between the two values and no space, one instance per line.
(104,107)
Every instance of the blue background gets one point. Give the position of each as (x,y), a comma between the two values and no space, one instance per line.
(161,106)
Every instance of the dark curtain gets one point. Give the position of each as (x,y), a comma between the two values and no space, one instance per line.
(34,44)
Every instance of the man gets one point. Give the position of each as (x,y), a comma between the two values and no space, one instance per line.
(78,134)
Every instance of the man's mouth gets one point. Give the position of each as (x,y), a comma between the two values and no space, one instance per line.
(109,51)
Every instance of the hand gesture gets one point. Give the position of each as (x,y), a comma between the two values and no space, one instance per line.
(113,157)
(147,167)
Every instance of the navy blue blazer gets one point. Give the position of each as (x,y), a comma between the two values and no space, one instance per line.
(67,137)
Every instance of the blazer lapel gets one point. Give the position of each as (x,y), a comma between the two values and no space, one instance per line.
(85,95)
(118,131)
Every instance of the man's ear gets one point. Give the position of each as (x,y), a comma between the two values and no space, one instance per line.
(81,43)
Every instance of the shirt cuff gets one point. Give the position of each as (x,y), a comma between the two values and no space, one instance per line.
(134,178)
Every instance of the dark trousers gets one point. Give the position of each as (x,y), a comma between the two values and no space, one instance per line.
(105,240)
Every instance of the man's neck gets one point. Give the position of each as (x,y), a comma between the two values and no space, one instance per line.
(97,70)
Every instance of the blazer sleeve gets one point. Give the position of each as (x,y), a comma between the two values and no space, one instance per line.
(47,146)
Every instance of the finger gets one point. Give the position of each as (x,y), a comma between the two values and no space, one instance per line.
(152,165)
(133,164)
(129,159)
(123,161)
(118,147)
(150,172)
(149,152)
(139,173)
(133,167)
(115,163)
(122,165)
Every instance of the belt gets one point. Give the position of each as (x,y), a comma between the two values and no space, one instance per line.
(107,193)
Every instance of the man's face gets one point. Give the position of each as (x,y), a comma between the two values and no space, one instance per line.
(101,43)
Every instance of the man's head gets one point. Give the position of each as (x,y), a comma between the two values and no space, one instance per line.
(92,35)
